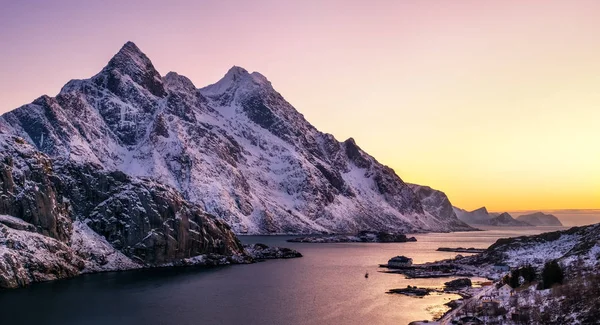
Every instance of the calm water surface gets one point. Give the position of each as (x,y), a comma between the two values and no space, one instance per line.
(326,286)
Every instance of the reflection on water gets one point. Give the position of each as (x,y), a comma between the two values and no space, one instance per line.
(326,286)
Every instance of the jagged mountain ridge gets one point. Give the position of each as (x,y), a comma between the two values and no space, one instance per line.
(236,148)
(481,217)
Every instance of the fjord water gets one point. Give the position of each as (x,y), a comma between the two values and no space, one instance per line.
(326,286)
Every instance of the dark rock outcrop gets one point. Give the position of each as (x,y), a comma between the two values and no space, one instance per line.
(264,252)
(458,283)
(28,189)
(147,221)
(150,224)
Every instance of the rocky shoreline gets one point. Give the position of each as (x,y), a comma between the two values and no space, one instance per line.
(452,286)
(461,250)
(361,237)
(430,270)
(27,257)
(261,252)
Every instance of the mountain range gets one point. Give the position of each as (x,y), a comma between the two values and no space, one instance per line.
(131,169)
(236,148)
(481,217)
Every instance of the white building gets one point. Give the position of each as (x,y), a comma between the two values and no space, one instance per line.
(400,261)
(505,291)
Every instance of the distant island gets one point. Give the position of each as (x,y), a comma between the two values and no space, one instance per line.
(540,219)
(361,237)
(481,217)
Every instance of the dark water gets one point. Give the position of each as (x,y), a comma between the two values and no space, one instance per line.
(326,286)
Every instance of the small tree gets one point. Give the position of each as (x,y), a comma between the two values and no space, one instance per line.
(528,273)
(552,274)
(513,281)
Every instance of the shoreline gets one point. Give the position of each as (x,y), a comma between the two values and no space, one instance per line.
(442,319)
(256,253)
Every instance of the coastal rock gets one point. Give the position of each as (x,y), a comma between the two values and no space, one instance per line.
(413,291)
(27,257)
(458,283)
(264,252)
(60,219)
(145,220)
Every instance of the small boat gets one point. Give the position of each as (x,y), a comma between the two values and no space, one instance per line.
(366,275)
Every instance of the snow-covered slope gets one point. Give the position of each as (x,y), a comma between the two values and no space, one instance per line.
(236,148)
(540,219)
(567,246)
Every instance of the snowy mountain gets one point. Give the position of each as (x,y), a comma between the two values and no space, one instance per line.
(540,219)
(235,148)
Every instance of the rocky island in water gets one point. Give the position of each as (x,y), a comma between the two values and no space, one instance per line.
(361,237)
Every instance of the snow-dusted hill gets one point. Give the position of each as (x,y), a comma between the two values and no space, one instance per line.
(567,246)
(236,148)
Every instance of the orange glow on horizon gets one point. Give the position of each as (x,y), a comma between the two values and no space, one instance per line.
(496,103)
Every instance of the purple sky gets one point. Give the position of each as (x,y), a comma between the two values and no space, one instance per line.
(494,102)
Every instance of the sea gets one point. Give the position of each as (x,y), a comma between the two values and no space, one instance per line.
(326,286)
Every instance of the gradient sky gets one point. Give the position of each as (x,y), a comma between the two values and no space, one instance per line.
(496,103)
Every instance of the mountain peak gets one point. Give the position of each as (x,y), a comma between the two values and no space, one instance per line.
(131,61)
(236,72)
(236,78)
(175,81)
(130,54)
(482,210)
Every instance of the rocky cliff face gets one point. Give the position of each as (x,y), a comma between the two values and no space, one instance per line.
(60,219)
(236,149)
(476,217)
(437,203)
